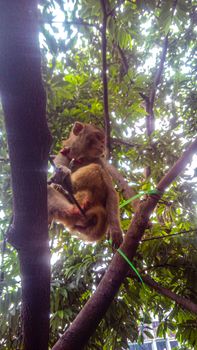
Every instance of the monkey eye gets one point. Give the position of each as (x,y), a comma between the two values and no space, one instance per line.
(99,137)
(90,141)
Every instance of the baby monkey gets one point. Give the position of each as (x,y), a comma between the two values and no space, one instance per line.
(83,159)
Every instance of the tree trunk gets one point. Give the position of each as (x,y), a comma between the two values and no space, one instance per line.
(23,100)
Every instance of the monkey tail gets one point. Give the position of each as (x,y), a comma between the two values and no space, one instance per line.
(96,225)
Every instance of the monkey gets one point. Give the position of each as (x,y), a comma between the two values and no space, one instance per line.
(84,153)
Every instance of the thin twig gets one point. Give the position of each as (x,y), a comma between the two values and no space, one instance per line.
(169,236)
(125,143)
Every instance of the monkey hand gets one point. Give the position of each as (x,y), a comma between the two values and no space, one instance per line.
(62,176)
(115,234)
(62,172)
(60,189)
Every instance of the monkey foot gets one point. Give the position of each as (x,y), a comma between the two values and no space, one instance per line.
(116,237)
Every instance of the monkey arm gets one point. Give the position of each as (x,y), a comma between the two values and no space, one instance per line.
(61,159)
(62,162)
(62,175)
(112,206)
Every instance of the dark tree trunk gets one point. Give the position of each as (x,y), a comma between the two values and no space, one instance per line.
(23,100)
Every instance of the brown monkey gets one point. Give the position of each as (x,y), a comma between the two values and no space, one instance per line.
(84,152)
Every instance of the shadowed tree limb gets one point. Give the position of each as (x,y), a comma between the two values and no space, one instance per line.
(94,310)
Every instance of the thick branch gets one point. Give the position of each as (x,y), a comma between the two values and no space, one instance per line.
(23,100)
(88,319)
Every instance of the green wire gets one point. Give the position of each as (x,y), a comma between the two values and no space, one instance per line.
(155,191)
(131,265)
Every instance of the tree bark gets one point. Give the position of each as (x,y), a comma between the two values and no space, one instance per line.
(23,100)
(88,319)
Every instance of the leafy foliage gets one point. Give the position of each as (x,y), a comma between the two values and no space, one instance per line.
(72,69)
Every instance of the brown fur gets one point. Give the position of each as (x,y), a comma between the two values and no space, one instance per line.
(92,188)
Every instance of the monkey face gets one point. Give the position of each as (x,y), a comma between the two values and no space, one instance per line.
(87,141)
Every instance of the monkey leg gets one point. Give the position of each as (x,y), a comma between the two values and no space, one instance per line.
(94,227)
(60,209)
(84,198)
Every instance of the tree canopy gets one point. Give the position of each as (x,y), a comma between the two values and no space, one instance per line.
(139,57)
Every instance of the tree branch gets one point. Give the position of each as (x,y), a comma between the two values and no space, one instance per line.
(149,100)
(104,74)
(125,143)
(88,319)
(123,186)
(80,22)
(180,300)
(178,167)
(158,75)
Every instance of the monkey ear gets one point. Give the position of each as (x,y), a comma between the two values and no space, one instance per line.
(77,128)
